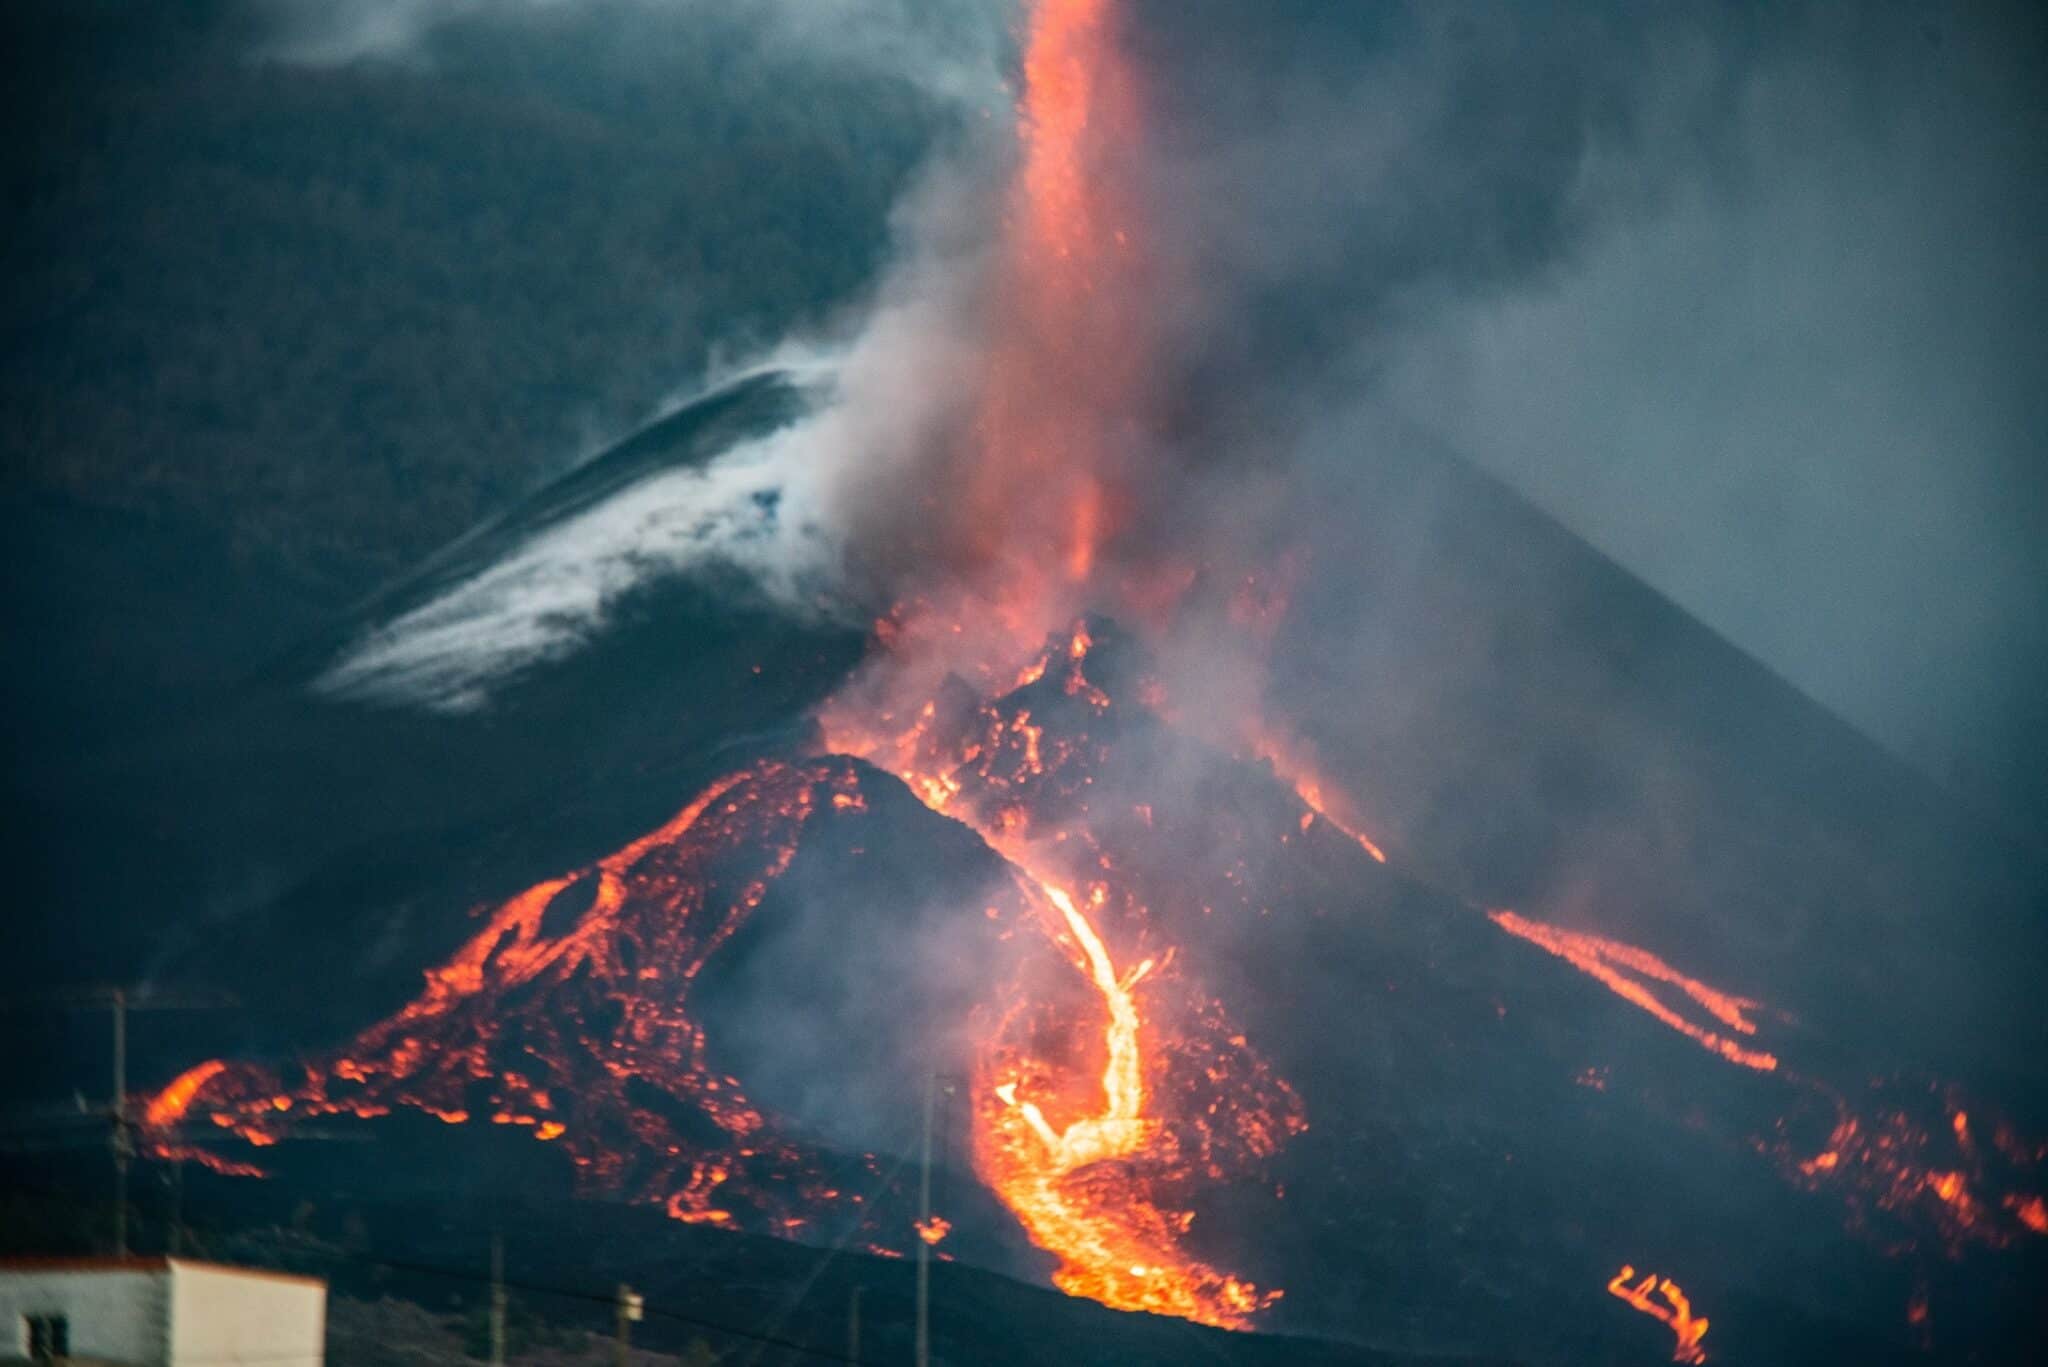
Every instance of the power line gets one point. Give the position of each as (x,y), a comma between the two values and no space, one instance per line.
(597,1298)
(119,1000)
(605,1299)
(838,1246)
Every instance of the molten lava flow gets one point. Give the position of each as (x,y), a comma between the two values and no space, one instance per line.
(1120,1127)
(1888,1156)
(1676,1310)
(1626,971)
(1935,1178)
(567,1015)
(1909,1160)
(1043,491)
(1081,1189)
(1322,799)
(168,1107)
(1076,1059)
(1104,1097)
(163,1113)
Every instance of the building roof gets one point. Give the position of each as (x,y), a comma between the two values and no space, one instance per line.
(150,1263)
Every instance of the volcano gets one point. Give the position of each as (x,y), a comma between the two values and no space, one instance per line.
(1437,944)
(1216,1051)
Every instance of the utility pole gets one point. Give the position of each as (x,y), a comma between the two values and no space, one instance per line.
(924,1220)
(853,1326)
(497,1299)
(175,1237)
(120,1001)
(124,1141)
(934,1083)
(632,1307)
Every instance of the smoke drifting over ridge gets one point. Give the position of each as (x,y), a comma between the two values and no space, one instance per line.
(1800,392)
(1594,252)
(949,46)
(550,593)
(1609,256)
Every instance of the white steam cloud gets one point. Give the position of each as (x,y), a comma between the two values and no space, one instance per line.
(782,510)
(952,49)
(751,509)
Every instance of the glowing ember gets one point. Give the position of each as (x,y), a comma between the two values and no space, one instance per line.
(168,1107)
(934,1230)
(1675,1310)
(1936,1177)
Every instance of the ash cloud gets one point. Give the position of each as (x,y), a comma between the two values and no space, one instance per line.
(1742,298)
(954,49)
(1737,297)
(803,515)
(751,509)
(1803,397)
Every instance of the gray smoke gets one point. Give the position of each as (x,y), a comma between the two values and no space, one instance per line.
(1744,298)
(1747,299)
(950,48)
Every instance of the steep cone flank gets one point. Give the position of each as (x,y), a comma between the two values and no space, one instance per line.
(1198,1023)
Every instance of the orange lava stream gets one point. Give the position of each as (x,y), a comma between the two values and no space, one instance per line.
(1070,1185)
(168,1107)
(1291,767)
(1624,970)
(1877,1156)
(1119,1129)
(165,1111)
(1115,1245)
(1069,1134)
(1676,1310)
(1044,496)
(569,1031)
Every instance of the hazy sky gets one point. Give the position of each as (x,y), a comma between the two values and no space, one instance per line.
(1803,393)
(1747,297)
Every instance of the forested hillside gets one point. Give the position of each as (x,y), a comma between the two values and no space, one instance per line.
(326,317)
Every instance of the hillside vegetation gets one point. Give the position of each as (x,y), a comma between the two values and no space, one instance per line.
(328,317)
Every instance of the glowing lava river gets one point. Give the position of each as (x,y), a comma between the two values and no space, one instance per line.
(1111,1095)
(569,1014)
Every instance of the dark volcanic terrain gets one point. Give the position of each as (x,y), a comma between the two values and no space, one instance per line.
(1491,1131)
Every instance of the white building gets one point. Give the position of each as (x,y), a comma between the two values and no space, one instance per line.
(159,1312)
